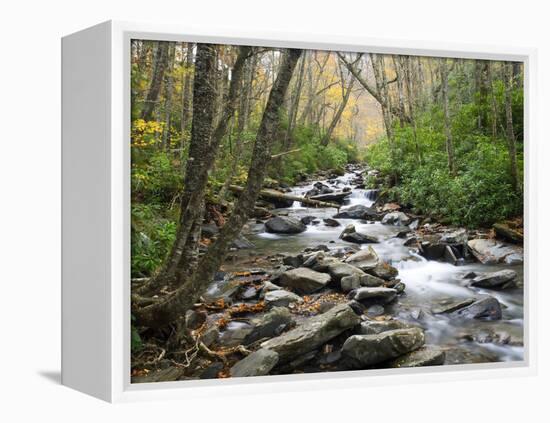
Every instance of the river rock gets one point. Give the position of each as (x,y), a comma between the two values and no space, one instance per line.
(331,222)
(336,197)
(495,280)
(364,259)
(368,350)
(396,218)
(378,295)
(313,333)
(426,356)
(339,270)
(487,308)
(293,261)
(259,363)
(284,225)
(359,238)
(281,298)
(269,325)
(374,327)
(460,236)
(304,280)
(356,212)
(384,270)
(349,283)
(449,307)
(489,251)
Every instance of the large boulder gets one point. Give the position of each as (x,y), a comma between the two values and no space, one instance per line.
(487,308)
(489,251)
(349,234)
(357,212)
(425,356)
(331,222)
(259,363)
(269,325)
(338,270)
(374,327)
(364,259)
(495,280)
(396,218)
(304,280)
(368,350)
(379,295)
(313,332)
(284,225)
(383,270)
(281,298)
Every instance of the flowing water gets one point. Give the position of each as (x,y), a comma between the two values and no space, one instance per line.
(428,283)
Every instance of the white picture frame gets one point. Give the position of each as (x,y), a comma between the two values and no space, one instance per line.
(96,213)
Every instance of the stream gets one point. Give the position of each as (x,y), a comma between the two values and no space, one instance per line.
(429,284)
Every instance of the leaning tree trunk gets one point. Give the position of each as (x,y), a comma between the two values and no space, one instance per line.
(161,61)
(346,92)
(165,312)
(448,134)
(202,153)
(512,151)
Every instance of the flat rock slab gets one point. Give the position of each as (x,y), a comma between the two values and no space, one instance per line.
(374,327)
(349,283)
(495,280)
(368,350)
(269,325)
(313,333)
(425,356)
(356,212)
(304,280)
(364,259)
(396,218)
(487,308)
(489,251)
(452,306)
(281,298)
(339,270)
(359,238)
(377,295)
(259,363)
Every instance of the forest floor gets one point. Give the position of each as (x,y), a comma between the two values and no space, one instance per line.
(367,284)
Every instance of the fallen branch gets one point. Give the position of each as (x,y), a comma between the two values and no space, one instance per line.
(284,153)
(272,194)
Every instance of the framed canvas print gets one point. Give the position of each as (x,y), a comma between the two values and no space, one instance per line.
(250,212)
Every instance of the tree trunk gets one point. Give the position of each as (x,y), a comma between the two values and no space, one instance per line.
(448,135)
(161,61)
(494,110)
(187,92)
(168,97)
(160,314)
(512,151)
(346,92)
(411,103)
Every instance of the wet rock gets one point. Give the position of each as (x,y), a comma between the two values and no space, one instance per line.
(249,293)
(499,333)
(322,188)
(307,220)
(281,298)
(426,356)
(210,336)
(259,363)
(313,333)
(396,218)
(364,259)
(270,286)
(452,255)
(336,197)
(487,308)
(378,295)
(375,310)
(234,334)
(384,270)
(357,212)
(224,289)
(374,327)
(359,238)
(349,283)
(495,280)
(459,236)
(211,372)
(349,229)
(294,261)
(194,319)
(320,247)
(403,233)
(304,280)
(331,222)
(449,307)
(414,224)
(338,270)
(432,249)
(284,225)
(509,231)
(269,325)
(368,350)
(411,242)
(242,243)
(489,251)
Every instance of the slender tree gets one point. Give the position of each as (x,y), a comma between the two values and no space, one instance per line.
(161,61)
(445,98)
(510,136)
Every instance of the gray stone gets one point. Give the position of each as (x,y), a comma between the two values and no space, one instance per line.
(368,350)
(338,270)
(396,218)
(486,308)
(349,283)
(425,356)
(284,225)
(374,295)
(259,363)
(449,307)
(489,251)
(313,332)
(269,325)
(281,298)
(331,222)
(495,280)
(364,259)
(384,270)
(356,212)
(374,327)
(210,336)
(304,280)
(294,261)
(359,238)
(459,236)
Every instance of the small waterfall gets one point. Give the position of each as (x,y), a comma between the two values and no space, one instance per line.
(372,194)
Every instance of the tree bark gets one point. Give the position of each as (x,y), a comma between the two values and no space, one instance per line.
(512,151)
(168,97)
(158,315)
(346,92)
(187,92)
(448,135)
(161,61)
